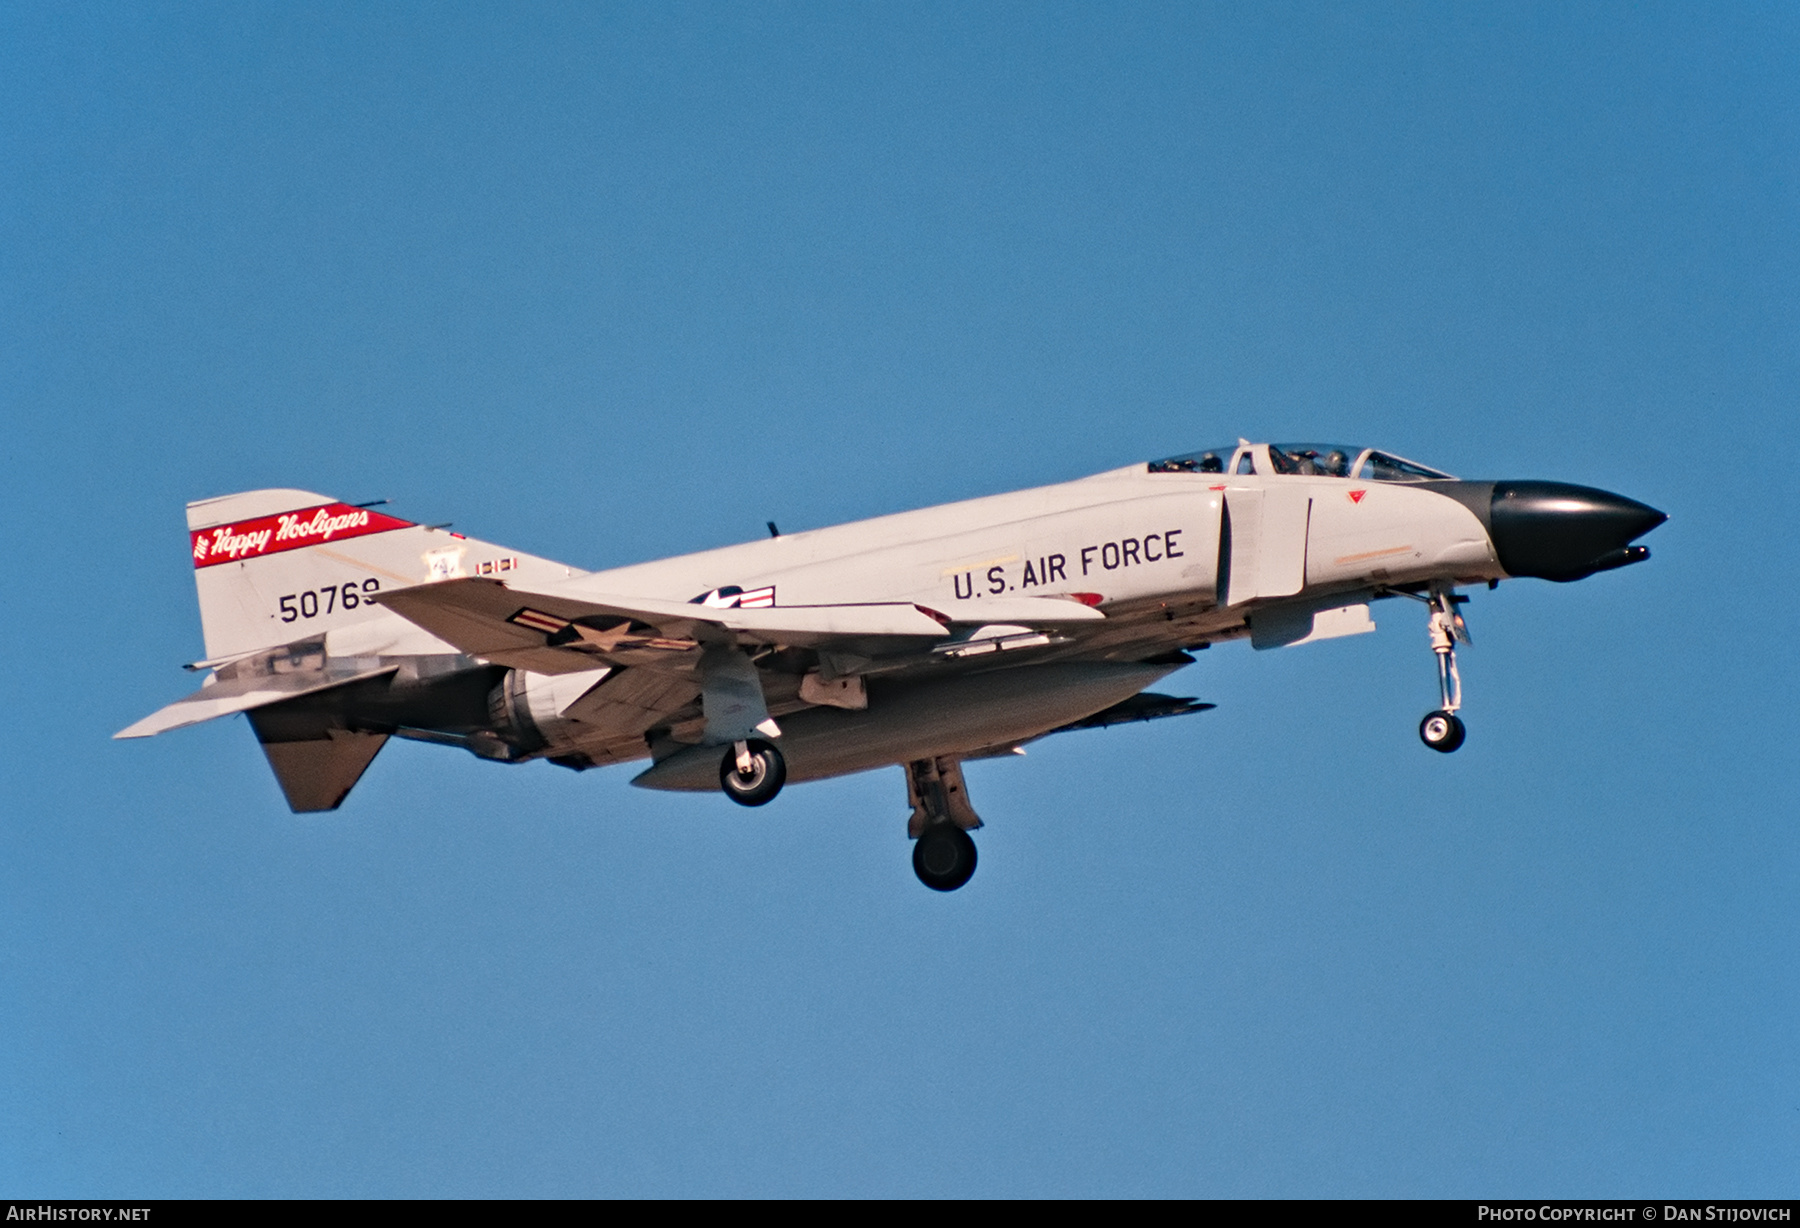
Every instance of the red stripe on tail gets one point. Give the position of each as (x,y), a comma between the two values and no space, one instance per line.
(312,526)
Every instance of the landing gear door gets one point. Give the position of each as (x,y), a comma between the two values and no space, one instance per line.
(1263,543)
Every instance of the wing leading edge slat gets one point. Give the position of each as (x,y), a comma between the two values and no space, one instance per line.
(557,633)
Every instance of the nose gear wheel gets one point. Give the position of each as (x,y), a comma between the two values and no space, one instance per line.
(1442,731)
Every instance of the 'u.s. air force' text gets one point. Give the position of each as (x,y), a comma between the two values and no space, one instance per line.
(1050,568)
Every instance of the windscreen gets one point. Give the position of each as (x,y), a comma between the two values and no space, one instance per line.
(1321,460)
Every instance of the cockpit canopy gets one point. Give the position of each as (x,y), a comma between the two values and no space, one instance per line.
(1323,460)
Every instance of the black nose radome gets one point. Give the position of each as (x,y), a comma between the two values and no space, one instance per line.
(1560,532)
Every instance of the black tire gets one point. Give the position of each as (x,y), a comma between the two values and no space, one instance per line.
(768,773)
(944,857)
(1442,731)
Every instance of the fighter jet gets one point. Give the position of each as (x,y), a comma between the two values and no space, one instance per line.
(923,639)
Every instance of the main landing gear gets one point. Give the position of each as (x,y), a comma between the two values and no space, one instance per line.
(1443,730)
(731,696)
(752,772)
(943,853)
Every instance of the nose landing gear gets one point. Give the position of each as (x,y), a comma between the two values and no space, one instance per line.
(1443,730)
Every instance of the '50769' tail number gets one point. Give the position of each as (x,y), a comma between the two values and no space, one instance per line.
(314,602)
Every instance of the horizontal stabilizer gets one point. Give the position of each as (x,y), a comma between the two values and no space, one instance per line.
(318,773)
(241,695)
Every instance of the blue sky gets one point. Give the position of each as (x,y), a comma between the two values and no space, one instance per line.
(609,283)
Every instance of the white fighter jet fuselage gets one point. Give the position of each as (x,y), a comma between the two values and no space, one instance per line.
(921,639)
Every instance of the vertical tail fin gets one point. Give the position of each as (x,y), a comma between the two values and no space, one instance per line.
(293,571)
(276,566)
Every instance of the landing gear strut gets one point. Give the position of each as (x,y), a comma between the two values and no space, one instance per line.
(1443,730)
(943,853)
(752,772)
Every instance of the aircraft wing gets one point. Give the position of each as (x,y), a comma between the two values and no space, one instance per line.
(235,695)
(629,701)
(555,633)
